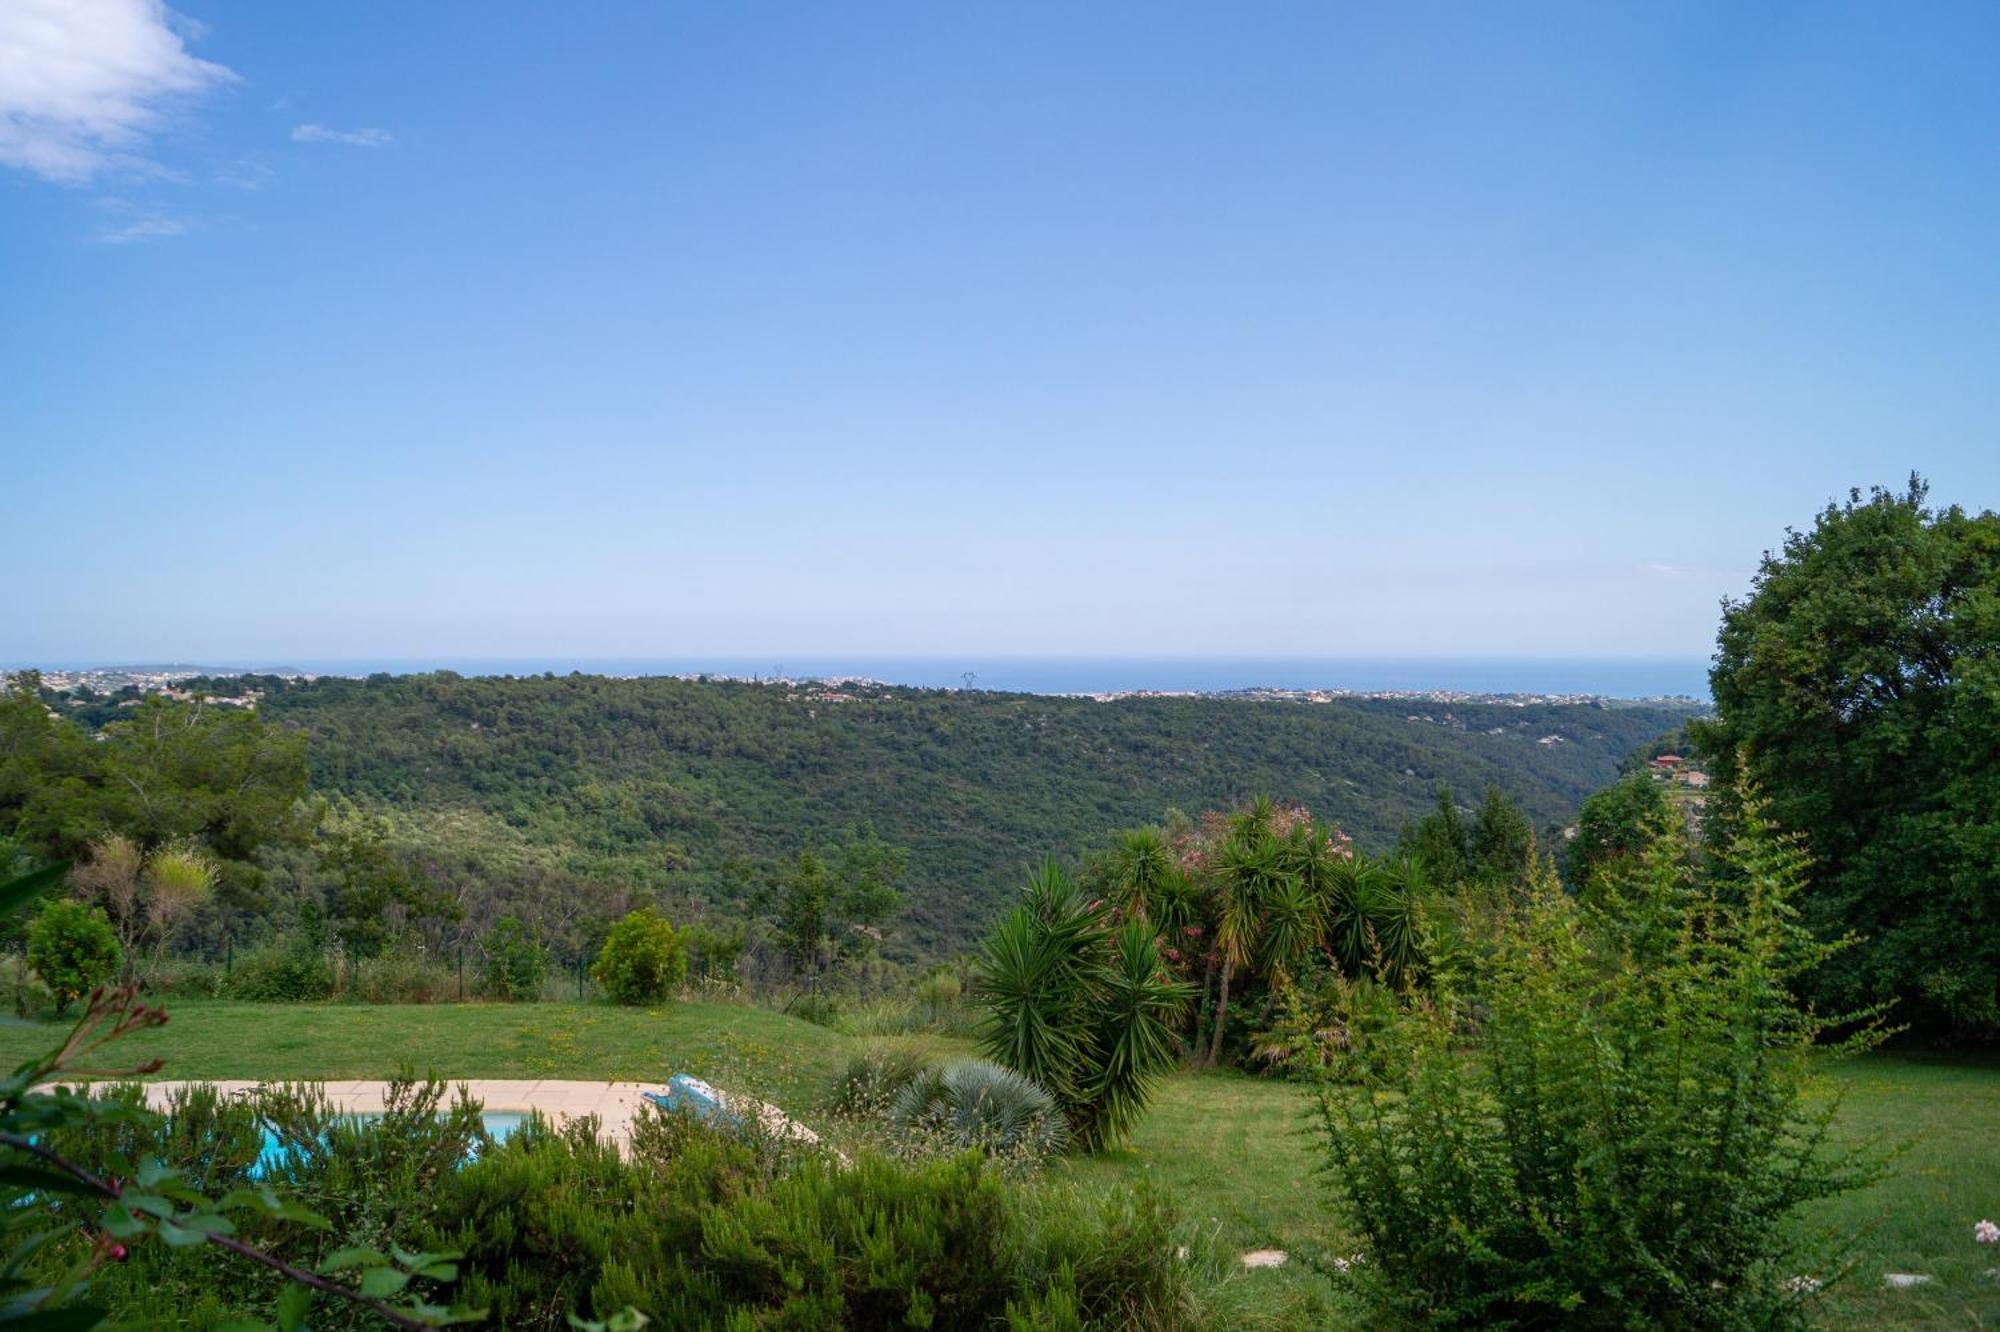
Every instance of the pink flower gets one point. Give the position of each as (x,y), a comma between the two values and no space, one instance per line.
(1986,1233)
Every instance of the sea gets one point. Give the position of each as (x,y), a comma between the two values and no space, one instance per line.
(1609,677)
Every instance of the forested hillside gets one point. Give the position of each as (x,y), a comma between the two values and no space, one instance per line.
(682,785)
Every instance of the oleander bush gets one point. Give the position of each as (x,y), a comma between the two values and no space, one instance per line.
(373,1179)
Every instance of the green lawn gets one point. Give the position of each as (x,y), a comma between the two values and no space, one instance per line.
(1233,1150)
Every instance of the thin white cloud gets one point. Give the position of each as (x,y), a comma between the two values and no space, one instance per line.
(84,83)
(140,229)
(244,174)
(361,138)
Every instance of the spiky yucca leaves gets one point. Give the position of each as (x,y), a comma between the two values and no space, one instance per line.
(982,1106)
(1137,1012)
(1035,984)
(1078,1005)
(1249,871)
(1142,870)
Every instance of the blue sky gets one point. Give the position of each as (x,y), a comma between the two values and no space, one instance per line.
(342,330)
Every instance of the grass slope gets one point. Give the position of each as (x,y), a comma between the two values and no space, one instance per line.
(1232,1149)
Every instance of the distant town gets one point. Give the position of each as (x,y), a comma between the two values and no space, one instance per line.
(136,681)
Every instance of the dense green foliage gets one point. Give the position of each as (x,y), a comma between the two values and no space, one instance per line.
(1080,1004)
(166,771)
(1607,1118)
(643,960)
(1249,905)
(72,948)
(1859,685)
(1615,826)
(1495,850)
(515,963)
(696,1228)
(560,798)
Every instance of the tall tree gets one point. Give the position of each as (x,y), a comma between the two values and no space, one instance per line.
(1616,825)
(1859,686)
(1439,840)
(1501,843)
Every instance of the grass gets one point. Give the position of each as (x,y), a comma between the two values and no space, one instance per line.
(1231,1149)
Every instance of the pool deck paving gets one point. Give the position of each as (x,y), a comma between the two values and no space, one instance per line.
(615,1104)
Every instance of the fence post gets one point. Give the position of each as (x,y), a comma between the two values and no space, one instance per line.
(461,973)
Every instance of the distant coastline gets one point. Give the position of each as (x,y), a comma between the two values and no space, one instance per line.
(1497,677)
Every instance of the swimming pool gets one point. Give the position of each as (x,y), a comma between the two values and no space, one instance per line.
(500,1125)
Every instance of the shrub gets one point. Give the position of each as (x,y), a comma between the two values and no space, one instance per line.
(400,975)
(703,1229)
(1079,1005)
(515,963)
(287,973)
(187,979)
(939,993)
(644,960)
(71,947)
(1633,1122)
(872,1080)
(975,1105)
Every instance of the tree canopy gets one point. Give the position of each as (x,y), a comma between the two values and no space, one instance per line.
(1859,685)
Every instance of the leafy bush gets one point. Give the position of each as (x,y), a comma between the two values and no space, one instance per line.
(1079,1005)
(644,960)
(71,947)
(375,1176)
(873,1080)
(516,964)
(1633,1122)
(286,973)
(975,1105)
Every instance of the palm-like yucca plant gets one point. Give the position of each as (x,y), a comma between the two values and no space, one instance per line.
(1139,1006)
(1142,870)
(1077,1005)
(1034,981)
(1353,888)
(1398,916)
(1249,871)
(1175,906)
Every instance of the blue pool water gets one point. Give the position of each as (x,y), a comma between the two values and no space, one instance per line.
(500,1125)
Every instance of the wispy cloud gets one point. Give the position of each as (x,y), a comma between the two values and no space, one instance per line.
(139,229)
(361,138)
(85,83)
(244,174)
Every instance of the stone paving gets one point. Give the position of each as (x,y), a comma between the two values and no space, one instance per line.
(614,1103)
